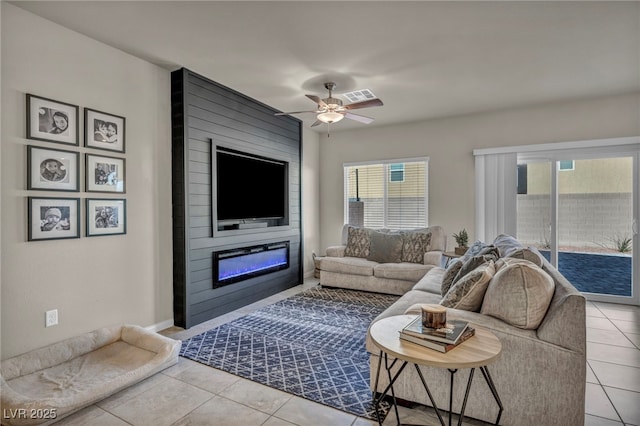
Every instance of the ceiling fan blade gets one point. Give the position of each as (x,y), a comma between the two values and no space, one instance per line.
(316,123)
(317,100)
(364,104)
(360,118)
(293,112)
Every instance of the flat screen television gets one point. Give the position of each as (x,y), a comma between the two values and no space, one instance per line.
(250,187)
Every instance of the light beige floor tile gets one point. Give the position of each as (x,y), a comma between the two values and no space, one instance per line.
(609,337)
(163,404)
(613,354)
(207,378)
(303,412)
(590,420)
(274,421)
(183,364)
(592,311)
(627,326)
(627,404)
(361,421)
(604,306)
(600,323)
(622,314)
(257,396)
(91,416)
(131,392)
(634,337)
(221,411)
(598,404)
(591,378)
(617,376)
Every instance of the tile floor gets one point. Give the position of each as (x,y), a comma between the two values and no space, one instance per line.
(193,394)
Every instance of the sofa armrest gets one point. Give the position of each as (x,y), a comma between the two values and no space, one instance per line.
(336,251)
(433,258)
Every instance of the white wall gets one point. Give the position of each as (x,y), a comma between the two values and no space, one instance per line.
(449,142)
(98,281)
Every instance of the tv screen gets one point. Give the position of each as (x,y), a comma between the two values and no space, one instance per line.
(250,187)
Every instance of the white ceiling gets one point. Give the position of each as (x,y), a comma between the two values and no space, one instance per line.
(423,59)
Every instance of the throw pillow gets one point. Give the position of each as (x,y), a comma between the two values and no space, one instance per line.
(468,293)
(531,254)
(471,264)
(506,261)
(474,250)
(449,275)
(358,242)
(414,246)
(519,294)
(385,247)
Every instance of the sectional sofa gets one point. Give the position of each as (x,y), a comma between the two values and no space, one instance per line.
(538,316)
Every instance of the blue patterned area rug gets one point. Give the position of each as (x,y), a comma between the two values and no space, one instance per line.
(311,345)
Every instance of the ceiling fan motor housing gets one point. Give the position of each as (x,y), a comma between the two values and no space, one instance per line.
(333,102)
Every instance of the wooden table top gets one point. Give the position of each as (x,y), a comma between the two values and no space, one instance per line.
(480,350)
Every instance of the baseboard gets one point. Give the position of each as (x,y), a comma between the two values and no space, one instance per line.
(160,326)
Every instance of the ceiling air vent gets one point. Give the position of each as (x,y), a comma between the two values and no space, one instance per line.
(359,95)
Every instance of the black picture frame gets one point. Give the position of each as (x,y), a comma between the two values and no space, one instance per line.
(51,218)
(104,131)
(45,118)
(105,216)
(105,174)
(52,169)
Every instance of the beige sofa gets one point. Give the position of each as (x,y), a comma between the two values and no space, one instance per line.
(361,273)
(540,374)
(47,384)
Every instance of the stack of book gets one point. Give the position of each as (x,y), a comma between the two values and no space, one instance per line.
(441,339)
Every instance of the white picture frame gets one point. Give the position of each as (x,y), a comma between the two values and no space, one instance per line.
(52,121)
(106,216)
(105,174)
(104,131)
(52,169)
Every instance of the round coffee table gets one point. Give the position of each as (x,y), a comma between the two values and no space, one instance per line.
(477,352)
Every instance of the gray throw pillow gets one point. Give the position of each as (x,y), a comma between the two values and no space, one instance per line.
(468,293)
(385,247)
(449,275)
(507,244)
(358,242)
(473,263)
(415,245)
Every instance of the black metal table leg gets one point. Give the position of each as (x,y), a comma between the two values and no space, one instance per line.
(375,390)
(433,402)
(453,372)
(494,391)
(392,380)
(466,396)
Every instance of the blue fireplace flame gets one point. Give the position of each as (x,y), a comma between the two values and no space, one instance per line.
(251,263)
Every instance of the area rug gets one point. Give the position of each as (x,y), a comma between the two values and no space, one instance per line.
(311,345)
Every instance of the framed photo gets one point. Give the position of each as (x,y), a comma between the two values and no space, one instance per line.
(106,216)
(103,131)
(52,121)
(52,169)
(105,174)
(53,218)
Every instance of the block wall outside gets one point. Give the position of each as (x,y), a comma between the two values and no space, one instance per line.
(584,220)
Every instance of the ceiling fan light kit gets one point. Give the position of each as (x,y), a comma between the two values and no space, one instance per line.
(331,110)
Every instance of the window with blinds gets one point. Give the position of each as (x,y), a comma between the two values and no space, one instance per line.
(387,194)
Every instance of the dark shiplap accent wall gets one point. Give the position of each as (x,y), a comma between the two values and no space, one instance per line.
(206,114)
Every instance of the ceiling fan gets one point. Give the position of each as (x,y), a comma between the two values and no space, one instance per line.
(330,110)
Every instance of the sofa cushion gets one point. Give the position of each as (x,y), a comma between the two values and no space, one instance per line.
(348,265)
(467,293)
(431,282)
(506,261)
(385,247)
(401,271)
(448,276)
(519,294)
(415,245)
(358,242)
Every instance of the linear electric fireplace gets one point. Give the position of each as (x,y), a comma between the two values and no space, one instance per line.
(230,266)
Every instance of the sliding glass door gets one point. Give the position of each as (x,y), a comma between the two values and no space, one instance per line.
(579,209)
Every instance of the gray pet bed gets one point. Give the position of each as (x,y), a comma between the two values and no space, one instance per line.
(47,384)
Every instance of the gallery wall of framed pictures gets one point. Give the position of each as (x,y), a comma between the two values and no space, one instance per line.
(55,169)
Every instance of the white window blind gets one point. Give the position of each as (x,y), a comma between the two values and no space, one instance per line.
(387,194)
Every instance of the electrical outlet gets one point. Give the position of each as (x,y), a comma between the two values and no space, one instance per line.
(51,318)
